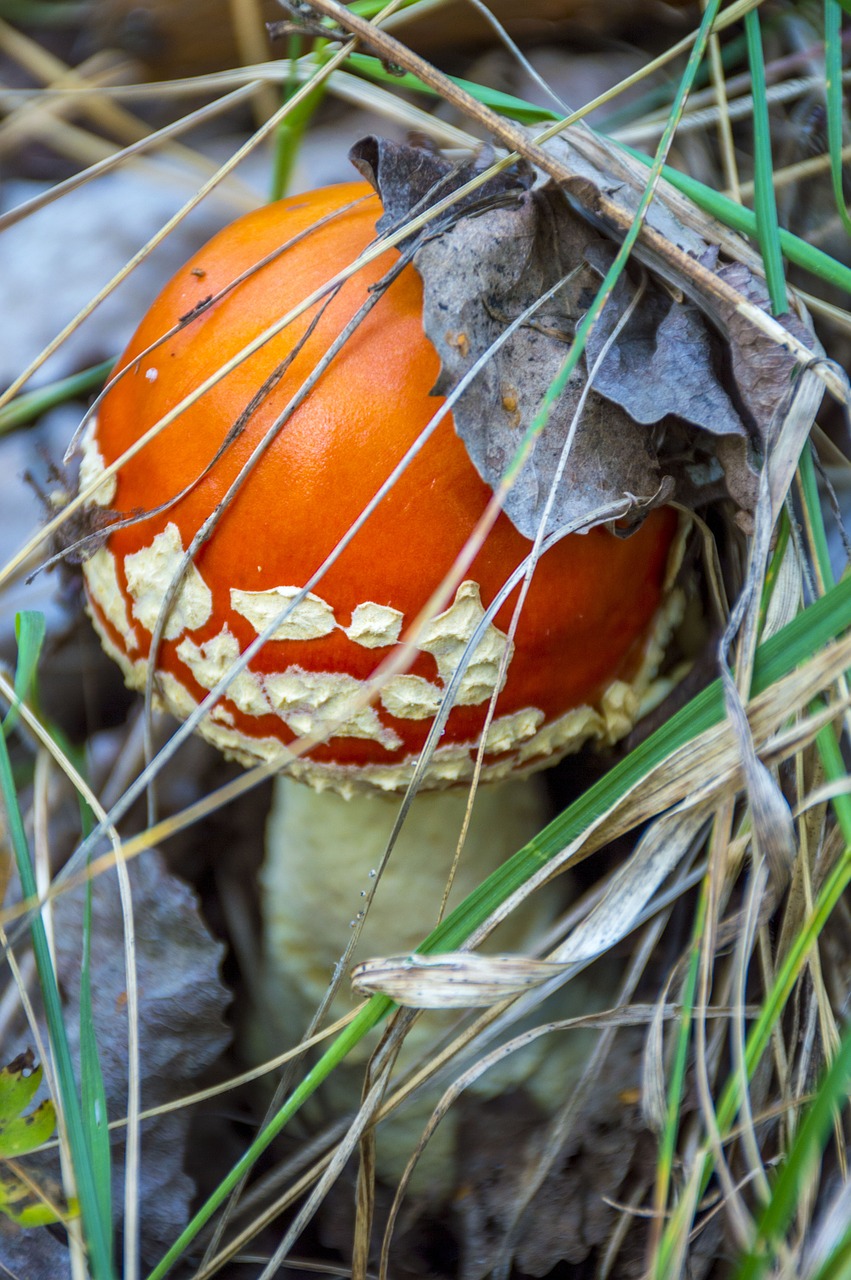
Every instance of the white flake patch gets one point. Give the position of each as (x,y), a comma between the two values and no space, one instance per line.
(447,637)
(374,625)
(92,466)
(101,576)
(211,661)
(313,701)
(310,620)
(149,575)
(411,697)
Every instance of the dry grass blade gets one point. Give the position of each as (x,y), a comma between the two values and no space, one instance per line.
(453,980)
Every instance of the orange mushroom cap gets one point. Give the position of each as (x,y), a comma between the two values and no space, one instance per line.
(581,651)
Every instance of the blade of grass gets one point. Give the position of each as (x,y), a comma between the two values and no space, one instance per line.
(835,103)
(503,103)
(676,1085)
(738,218)
(95,1229)
(92,1087)
(798,1165)
(826,740)
(29,634)
(93,1093)
(765,205)
(25,408)
(784,532)
(290,131)
(759,1036)
(837,1265)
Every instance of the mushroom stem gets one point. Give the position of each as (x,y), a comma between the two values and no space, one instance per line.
(321,856)
(321,850)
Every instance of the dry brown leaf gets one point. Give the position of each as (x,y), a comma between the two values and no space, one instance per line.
(181,1030)
(683,393)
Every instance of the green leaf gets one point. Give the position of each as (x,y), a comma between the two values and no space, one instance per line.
(20,1201)
(24,1133)
(18,1084)
(21,1131)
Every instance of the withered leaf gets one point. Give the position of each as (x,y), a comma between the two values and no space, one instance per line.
(36,1254)
(678,402)
(661,340)
(181,1030)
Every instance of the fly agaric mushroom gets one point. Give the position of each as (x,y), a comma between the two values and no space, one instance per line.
(588,640)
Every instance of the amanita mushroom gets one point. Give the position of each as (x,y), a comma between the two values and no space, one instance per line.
(586,647)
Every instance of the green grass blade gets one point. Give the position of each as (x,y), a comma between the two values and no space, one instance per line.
(835,103)
(372,1012)
(29,633)
(96,1231)
(676,1085)
(289,133)
(837,1265)
(805,1152)
(738,218)
(505,104)
(29,406)
(765,205)
(92,1089)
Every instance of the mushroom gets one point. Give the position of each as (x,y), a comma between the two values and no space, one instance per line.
(586,646)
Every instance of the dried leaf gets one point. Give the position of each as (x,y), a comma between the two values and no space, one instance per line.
(662,340)
(32,1254)
(181,1005)
(569,1216)
(659,422)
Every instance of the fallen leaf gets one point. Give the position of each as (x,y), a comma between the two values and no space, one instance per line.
(181,1030)
(685,386)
